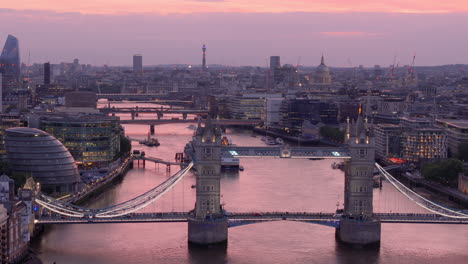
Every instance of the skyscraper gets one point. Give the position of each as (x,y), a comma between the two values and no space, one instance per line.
(274,62)
(137,63)
(204,57)
(47,73)
(10,58)
(1,93)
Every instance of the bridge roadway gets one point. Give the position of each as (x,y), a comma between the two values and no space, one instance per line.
(253,217)
(121,96)
(223,122)
(150,110)
(158,160)
(157,101)
(295,152)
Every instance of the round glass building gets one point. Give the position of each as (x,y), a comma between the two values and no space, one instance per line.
(33,152)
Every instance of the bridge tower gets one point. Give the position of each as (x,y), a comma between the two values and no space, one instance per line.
(207,224)
(358,226)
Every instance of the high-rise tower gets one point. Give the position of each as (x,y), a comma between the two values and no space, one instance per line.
(1,93)
(10,59)
(137,64)
(204,57)
(275,63)
(47,73)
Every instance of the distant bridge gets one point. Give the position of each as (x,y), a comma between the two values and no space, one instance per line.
(152,110)
(223,122)
(121,96)
(156,101)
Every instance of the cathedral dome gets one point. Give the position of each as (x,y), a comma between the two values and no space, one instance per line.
(322,73)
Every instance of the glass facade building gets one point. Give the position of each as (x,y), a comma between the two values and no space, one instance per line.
(240,107)
(92,139)
(294,112)
(10,58)
(32,152)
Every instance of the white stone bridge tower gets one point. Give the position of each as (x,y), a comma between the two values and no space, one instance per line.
(207,224)
(358,227)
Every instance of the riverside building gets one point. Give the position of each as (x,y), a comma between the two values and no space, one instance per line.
(92,139)
(34,153)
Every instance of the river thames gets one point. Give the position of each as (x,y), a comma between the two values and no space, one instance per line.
(266,184)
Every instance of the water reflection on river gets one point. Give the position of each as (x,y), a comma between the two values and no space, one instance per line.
(267,184)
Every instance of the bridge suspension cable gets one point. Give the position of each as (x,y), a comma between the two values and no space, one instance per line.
(120,209)
(419,200)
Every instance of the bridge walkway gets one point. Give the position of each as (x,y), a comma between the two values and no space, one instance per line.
(158,160)
(251,216)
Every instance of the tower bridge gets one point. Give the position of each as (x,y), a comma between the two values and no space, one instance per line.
(208,222)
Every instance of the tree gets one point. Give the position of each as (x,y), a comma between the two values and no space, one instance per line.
(463,151)
(444,172)
(332,133)
(125,146)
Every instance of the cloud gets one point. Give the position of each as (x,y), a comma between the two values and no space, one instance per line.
(350,34)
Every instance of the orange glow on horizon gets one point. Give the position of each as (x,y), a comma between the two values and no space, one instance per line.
(350,34)
(240,6)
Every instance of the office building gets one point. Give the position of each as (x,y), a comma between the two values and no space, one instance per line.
(137,64)
(34,153)
(92,139)
(15,221)
(81,99)
(1,93)
(7,121)
(272,111)
(285,76)
(456,131)
(10,59)
(46,73)
(409,123)
(387,140)
(424,144)
(246,107)
(295,113)
(275,62)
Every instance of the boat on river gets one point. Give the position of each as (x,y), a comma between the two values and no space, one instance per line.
(150,142)
(270,141)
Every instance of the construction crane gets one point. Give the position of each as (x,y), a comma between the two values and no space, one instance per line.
(298,63)
(99,86)
(392,68)
(411,68)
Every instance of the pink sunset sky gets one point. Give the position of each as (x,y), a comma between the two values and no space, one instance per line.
(239,32)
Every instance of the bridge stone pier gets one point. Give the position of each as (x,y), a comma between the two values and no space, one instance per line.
(207,223)
(358,227)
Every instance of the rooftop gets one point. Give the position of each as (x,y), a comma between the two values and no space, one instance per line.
(27,131)
(463,123)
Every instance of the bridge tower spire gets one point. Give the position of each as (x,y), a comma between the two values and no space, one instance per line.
(358,226)
(207,223)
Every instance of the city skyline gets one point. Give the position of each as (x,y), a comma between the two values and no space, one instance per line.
(240,37)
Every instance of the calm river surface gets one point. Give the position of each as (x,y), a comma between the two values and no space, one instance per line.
(266,184)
